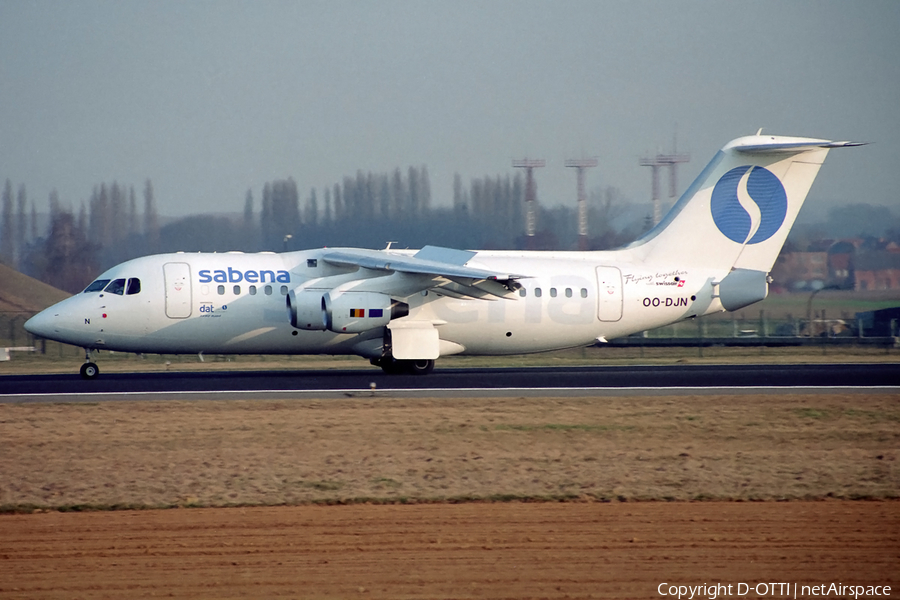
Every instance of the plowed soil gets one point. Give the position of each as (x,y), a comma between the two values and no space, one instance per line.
(509,550)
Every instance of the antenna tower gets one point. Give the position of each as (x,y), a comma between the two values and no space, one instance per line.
(529,164)
(581,165)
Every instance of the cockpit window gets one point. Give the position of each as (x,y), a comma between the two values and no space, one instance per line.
(134,286)
(96,286)
(117,286)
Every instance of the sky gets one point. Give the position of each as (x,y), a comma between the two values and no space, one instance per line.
(209,99)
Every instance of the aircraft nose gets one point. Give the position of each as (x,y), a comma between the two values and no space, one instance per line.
(41,324)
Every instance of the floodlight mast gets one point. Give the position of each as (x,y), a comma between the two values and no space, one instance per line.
(530,164)
(654,163)
(581,165)
(672,161)
(664,160)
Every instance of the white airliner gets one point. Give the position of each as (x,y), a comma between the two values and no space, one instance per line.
(403,309)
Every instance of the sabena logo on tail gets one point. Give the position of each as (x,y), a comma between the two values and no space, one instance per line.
(749,204)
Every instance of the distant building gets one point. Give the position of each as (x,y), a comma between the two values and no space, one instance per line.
(849,264)
(794,271)
(884,322)
(840,263)
(878,270)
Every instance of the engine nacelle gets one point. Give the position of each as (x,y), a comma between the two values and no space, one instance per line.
(743,287)
(355,312)
(306,309)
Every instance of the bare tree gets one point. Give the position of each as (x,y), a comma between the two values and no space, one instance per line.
(338,203)
(21,226)
(398,195)
(69,259)
(424,190)
(384,196)
(460,197)
(118,216)
(311,216)
(7,228)
(151,219)
(132,214)
(412,203)
(248,211)
(53,201)
(34,225)
(328,215)
(605,206)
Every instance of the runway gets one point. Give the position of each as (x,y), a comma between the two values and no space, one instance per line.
(604,380)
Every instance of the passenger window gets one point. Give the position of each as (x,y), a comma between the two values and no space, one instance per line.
(117,287)
(96,286)
(312,263)
(537,292)
(134,287)
(252,290)
(237,290)
(523,292)
(553,292)
(221,290)
(584,292)
(284,290)
(568,292)
(268,290)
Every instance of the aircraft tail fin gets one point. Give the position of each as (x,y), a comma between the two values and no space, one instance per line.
(739,210)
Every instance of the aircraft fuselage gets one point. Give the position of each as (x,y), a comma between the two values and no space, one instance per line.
(233,303)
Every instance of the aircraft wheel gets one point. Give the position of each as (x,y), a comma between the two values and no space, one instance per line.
(391,366)
(90,370)
(419,367)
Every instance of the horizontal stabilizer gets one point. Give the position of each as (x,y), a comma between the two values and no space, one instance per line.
(772,145)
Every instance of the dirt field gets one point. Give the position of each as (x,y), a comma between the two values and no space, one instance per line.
(509,550)
(602,454)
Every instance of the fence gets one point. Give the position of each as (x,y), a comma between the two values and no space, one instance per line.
(731,329)
(13,335)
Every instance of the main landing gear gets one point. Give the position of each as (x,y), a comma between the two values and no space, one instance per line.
(89,370)
(404,367)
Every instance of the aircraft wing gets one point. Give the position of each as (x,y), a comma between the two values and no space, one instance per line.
(440,269)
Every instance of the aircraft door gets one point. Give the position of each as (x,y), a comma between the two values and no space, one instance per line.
(609,287)
(178,290)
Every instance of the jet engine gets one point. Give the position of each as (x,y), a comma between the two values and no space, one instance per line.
(306,309)
(342,312)
(355,312)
